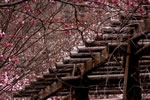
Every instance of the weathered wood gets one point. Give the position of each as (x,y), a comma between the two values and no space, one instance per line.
(49,75)
(91,78)
(109,99)
(87,60)
(115,22)
(91,49)
(83,68)
(94,55)
(144,98)
(132,90)
(76,60)
(79,94)
(109,30)
(84,55)
(123,46)
(47,80)
(105,92)
(112,37)
(107,72)
(49,90)
(61,65)
(116,30)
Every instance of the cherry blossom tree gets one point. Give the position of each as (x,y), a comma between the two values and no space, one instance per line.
(34,34)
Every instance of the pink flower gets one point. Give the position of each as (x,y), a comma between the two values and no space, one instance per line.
(22,22)
(34,1)
(1,56)
(1,34)
(52,1)
(9,44)
(6,1)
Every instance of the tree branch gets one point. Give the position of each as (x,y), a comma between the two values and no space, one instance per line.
(140,36)
(13,3)
(142,50)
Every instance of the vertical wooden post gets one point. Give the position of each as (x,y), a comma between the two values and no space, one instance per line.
(132,90)
(126,71)
(34,97)
(79,94)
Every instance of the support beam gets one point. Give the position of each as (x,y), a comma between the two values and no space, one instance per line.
(132,90)
(79,94)
(49,90)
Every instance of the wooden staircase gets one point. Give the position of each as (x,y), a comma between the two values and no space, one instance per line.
(98,67)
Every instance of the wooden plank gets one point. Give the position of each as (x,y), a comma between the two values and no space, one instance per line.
(75,60)
(110,99)
(61,65)
(102,77)
(104,55)
(112,37)
(144,98)
(84,55)
(115,22)
(49,90)
(91,49)
(132,75)
(52,75)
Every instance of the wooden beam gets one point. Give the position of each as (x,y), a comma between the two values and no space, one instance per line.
(49,90)
(107,37)
(75,60)
(132,90)
(91,49)
(61,65)
(79,94)
(115,22)
(84,55)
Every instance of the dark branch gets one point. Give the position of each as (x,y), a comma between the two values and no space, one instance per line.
(136,38)
(143,50)
(12,4)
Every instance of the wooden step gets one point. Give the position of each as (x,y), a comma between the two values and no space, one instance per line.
(48,75)
(91,49)
(62,66)
(85,55)
(116,30)
(112,37)
(115,22)
(106,72)
(76,60)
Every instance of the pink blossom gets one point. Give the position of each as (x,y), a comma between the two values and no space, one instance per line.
(1,56)
(66,32)
(34,1)
(1,34)
(52,1)
(22,22)
(8,44)
(6,1)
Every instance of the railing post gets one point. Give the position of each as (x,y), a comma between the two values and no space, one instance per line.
(132,90)
(79,94)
